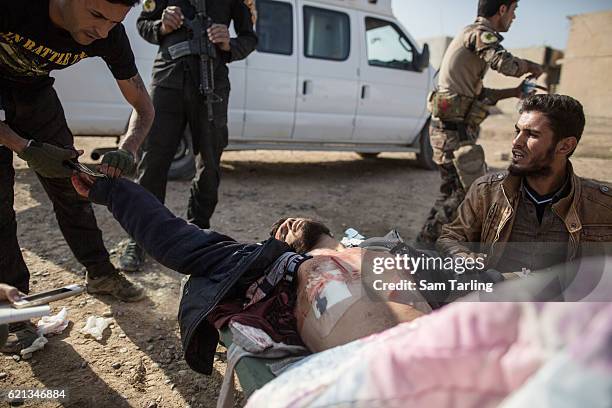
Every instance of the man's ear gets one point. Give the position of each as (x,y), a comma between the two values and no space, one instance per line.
(567,146)
(503,9)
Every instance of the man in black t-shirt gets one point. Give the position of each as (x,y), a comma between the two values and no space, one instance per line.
(37,37)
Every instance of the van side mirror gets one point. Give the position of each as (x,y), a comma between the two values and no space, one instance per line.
(421,62)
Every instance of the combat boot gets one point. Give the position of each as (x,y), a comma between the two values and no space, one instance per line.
(117,285)
(20,335)
(132,258)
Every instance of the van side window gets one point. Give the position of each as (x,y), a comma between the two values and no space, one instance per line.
(274,27)
(387,46)
(327,34)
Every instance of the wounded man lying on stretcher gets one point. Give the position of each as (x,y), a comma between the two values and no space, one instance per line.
(315,298)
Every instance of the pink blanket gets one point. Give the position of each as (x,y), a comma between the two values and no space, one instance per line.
(465,355)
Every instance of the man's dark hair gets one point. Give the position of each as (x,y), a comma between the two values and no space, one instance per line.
(565,114)
(130,3)
(311,234)
(489,8)
(276,226)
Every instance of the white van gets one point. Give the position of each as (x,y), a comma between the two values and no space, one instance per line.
(327,75)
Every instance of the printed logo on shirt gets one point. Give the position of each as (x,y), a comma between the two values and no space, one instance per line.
(488,38)
(25,57)
(149,5)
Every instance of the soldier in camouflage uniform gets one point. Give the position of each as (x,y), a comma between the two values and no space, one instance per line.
(461,103)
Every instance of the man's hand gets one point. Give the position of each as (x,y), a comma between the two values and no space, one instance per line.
(48,160)
(82,183)
(116,163)
(535,69)
(219,34)
(172,19)
(520,90)
(9,293)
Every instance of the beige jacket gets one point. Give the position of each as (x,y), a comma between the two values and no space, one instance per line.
(486,216)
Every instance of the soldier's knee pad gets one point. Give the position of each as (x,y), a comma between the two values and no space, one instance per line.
(470,164)
(443,143)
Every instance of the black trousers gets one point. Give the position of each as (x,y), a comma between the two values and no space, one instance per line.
(174,110)
(38,114)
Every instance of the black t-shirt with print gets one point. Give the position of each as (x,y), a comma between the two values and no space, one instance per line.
(31,46)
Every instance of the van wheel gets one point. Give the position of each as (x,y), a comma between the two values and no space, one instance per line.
(368,155)
(425,155)
(183,164)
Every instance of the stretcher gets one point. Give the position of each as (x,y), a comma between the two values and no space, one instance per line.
(253,373)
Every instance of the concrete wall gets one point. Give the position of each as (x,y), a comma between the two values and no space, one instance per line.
(587,65)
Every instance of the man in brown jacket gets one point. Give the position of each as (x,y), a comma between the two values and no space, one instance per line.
(539,213)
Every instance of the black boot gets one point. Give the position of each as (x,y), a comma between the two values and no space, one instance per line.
(132,258)
(20,335)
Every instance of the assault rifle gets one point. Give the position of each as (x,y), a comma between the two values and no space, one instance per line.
(199,44)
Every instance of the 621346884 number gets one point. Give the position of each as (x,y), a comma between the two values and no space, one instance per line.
(34,394)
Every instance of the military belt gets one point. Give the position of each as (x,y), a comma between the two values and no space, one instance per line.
(439,124)
(459,127)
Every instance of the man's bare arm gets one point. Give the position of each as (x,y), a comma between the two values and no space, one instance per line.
(135,92)
(122,161)
(11,139)
(44,158)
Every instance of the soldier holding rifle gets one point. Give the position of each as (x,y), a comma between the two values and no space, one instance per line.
(190,87)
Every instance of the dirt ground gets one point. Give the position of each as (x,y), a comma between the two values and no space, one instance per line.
(139,362)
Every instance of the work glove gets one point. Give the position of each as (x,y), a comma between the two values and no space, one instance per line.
(47,160)
(121,160)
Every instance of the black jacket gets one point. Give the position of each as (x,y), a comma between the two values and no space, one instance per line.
(219,267)
(168,72)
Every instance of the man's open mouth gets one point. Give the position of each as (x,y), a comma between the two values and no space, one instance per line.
(91,36)
(517,155)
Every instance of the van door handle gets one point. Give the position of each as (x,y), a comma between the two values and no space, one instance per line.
(364,91)
(306,87)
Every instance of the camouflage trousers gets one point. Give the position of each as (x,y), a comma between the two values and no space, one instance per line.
(444,143)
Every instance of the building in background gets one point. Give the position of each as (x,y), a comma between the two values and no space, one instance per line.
(587,65)
(437,48)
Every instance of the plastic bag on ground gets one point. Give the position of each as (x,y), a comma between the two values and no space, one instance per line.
(53,324)
(38,344)
(95,326)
